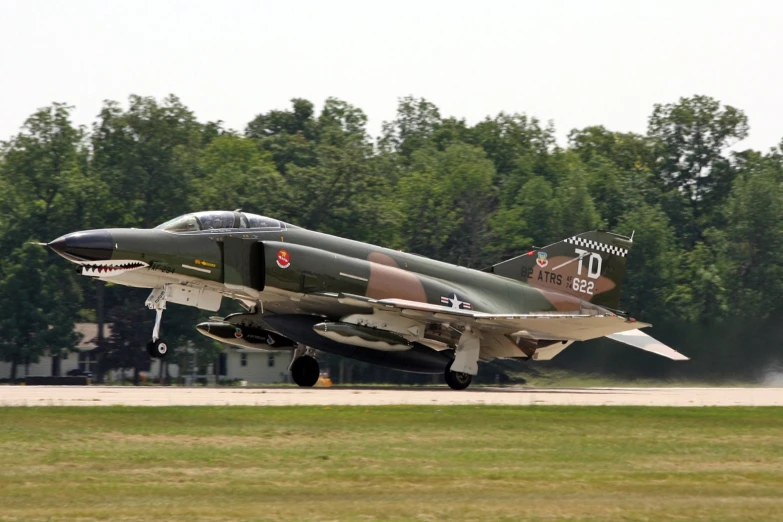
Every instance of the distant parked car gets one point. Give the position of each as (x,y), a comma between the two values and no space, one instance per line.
(76,372)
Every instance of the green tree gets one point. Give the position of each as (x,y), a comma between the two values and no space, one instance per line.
(701,296)
(147,153)
(342,192)
(413,129)
(125,346)
(530,220)
(234,173)
(752,249)
(289,136)
(690,139)
(42,175)
(627,151)
(508,137)
(575,210)
(444,204)
(39,301)
(43,171)
(650,279)
(450,131)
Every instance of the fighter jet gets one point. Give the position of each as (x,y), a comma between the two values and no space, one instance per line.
(307,291)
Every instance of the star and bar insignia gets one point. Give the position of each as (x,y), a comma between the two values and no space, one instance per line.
(453,301)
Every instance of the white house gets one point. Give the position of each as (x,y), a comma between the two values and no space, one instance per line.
(251,366)
(255,367)
(83,358)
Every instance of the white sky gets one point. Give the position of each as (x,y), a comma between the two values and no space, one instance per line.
(577,63)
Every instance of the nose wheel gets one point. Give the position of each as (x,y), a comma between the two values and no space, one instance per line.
(157,348)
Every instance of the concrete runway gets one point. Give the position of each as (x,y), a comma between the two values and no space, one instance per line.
(338,396)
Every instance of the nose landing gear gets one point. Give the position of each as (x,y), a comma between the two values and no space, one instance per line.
(157,348)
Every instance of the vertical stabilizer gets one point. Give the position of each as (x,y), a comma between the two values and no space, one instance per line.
(590,266)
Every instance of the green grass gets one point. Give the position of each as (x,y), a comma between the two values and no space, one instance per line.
(391,463)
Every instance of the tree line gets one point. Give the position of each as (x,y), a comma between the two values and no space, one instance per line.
(707,216)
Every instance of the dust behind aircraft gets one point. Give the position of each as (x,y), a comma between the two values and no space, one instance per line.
(307,291)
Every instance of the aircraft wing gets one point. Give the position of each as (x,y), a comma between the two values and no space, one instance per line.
(566,326)
(641,340)
(543,325)
(570,327)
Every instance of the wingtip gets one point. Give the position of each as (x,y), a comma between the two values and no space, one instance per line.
(641,340)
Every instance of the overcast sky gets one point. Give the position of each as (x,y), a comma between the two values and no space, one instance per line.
(577,63)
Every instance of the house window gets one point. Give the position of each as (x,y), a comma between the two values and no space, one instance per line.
(243,359)
(271,360)
(88,361)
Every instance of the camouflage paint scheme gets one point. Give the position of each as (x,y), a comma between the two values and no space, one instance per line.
(285,273)
(324,263)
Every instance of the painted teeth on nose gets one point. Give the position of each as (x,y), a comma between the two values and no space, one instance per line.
(109,268)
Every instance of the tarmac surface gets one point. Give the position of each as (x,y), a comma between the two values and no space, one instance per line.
(379,396)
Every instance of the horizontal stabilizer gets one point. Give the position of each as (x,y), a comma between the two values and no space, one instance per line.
(641,340)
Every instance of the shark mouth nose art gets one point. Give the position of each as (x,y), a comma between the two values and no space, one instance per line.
(110,268)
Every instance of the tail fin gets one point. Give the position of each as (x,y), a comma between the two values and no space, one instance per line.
(589,266)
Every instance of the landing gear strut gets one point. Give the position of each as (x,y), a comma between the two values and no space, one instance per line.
(465,361)
(157,348)
(304,368)
(457,380)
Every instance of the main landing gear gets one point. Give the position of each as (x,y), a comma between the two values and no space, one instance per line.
(457,380)
(304,368)
(157,348)
(465,363)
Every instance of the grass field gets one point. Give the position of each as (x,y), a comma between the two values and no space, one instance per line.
(391,463)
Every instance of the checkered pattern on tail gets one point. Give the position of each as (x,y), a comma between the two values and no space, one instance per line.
(595,245)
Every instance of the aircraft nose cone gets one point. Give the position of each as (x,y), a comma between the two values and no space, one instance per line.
(90,245)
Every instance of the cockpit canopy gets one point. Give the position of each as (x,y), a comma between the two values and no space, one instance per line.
(220,220)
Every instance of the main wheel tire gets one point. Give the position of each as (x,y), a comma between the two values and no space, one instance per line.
(457,380)
(305,371)
(160,349)
(151,349)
